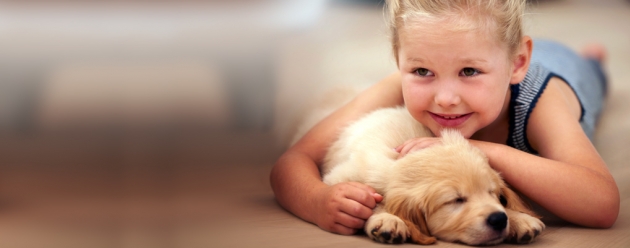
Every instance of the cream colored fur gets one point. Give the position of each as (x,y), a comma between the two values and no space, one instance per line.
(446,191)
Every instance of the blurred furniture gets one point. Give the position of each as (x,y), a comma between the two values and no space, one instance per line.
(235,40)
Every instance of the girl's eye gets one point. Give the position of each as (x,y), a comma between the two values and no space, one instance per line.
(423,72)
(468,72)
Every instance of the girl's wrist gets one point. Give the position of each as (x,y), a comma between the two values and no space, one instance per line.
(488,148)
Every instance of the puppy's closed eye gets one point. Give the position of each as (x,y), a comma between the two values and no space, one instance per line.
(460,200)
(455,201)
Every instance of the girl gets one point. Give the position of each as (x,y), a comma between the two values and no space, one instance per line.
(465,64)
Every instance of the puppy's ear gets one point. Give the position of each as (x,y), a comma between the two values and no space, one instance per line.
(511,200)
(413,218)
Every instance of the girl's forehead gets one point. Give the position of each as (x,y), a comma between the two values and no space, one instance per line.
(448,26)
(422,43)
(444,35)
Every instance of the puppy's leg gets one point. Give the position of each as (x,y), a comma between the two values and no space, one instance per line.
(524,228)
(524,225)
(386,228)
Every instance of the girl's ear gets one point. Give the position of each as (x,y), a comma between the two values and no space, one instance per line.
(520,62)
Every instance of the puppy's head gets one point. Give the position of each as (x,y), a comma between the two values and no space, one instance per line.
(449,191)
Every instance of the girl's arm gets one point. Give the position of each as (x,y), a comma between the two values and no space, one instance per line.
(295,178)
(569,178)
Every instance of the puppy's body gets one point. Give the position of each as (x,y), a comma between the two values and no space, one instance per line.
(365,152)
(446,191)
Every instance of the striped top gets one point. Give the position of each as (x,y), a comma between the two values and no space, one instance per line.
(522,102)
(550,59)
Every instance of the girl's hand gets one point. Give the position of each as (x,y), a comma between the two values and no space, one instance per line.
(345,207)
(415,144)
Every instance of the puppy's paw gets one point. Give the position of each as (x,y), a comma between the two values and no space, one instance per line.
(387,228)
(524,228)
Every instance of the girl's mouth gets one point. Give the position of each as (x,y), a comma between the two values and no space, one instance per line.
(450,120)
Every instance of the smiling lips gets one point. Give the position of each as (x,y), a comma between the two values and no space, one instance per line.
(450,120)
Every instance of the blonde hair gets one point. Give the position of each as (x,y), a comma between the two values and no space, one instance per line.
(504,17)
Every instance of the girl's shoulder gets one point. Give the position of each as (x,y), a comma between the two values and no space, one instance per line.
(540,91)
(555,119)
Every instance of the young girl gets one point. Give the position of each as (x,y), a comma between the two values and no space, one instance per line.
(531,106)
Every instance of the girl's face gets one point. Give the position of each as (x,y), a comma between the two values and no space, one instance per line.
(453,79)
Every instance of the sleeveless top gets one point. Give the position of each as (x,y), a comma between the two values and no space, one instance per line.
(551,59)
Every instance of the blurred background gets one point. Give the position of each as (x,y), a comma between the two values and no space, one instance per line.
(121,122)
(138,64)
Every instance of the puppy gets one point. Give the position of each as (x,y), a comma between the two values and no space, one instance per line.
(447,191)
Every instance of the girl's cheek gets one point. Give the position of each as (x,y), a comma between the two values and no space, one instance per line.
(416,105)
(411,88)
(417,93)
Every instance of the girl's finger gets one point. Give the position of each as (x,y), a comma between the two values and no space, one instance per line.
(349,221)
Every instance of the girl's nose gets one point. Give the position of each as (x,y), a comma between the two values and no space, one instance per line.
(447,96)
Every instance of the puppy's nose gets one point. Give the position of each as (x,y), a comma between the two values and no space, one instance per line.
(497,220)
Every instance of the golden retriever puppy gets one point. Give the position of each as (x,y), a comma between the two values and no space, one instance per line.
(447,191)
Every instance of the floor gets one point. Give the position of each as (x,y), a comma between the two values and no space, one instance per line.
(177,185)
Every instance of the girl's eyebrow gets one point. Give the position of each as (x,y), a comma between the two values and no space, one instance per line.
(465,60)
(474,61)
(413,59)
